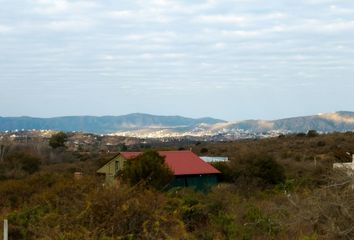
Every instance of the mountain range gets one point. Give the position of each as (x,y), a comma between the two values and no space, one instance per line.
(146,125)
(101,125)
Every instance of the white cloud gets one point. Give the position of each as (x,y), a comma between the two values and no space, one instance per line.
(145,56)
(316,2)
(51,7)
(274,15)
(178,6)
(240,33)
(221,19)
(240,18)
(341,10)
(68,25)
(337,26)
(172,55)
(319,26)
(156,37)
(144,15)
(122,14)
(107,57)
(220,45)
(252,33)
(5,29)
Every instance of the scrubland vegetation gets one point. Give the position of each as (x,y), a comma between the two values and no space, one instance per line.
(279,188)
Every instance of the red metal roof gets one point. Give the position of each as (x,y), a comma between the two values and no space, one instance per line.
(181,162)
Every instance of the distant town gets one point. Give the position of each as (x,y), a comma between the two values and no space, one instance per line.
(79,141)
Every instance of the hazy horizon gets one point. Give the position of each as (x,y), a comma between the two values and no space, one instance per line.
(177,115)
(227,59)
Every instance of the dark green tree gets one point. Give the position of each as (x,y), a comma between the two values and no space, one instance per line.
(204,150)
(58,140)
(148,168)
(312,133)
(267,169)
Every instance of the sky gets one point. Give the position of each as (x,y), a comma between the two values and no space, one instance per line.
(228,59)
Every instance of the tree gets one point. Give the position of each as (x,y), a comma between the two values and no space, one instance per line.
(262,170)
(148,168)
(227,173)
(58,140)
(312,133)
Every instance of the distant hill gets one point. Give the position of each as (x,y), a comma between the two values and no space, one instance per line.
(146,125)
(105,124)
(327,122)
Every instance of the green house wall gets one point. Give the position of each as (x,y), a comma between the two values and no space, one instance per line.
(111,168)
(198,182)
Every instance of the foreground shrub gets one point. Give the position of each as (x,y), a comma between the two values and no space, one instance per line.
(327,212)
(131,213)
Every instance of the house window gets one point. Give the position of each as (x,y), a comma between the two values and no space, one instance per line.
(117,166)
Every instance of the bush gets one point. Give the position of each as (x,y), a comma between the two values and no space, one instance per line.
(30,164)
(19,165)
(132,214)
(148,168)
(321,143)
(268,170)
(260,222)
(260,171)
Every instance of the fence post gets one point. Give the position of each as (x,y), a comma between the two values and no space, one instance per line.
(6,232)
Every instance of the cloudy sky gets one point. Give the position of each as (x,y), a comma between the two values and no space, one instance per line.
(230,59)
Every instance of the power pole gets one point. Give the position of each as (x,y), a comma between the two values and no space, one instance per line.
(6,230)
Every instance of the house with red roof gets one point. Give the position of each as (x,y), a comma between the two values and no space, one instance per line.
(189,169)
